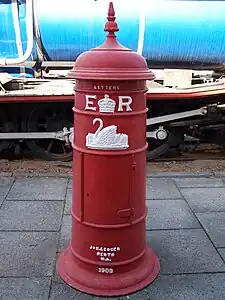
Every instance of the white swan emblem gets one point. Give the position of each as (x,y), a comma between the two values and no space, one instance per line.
(106,138)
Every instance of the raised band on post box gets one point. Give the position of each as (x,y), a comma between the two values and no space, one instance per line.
(108,254)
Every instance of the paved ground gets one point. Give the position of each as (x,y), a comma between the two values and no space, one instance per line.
(185,227)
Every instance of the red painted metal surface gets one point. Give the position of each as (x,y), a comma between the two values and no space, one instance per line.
(70,98)
(108,254)
(36,99)
(180,95)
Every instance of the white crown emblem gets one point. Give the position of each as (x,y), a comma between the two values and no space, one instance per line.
(106,104)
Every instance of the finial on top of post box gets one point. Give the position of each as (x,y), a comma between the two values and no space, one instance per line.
(111,26)
(111,60)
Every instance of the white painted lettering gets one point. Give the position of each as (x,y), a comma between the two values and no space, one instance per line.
(89,102)
(105,259)
(102,254)
(106,87)
(125,101)
(123,105)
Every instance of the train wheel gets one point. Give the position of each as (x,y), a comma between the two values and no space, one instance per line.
(48,119)
(168,138)
(7,125)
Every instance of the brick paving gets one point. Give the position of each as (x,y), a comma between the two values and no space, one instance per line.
(185,228)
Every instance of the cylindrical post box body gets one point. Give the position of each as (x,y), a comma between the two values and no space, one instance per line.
(108,254)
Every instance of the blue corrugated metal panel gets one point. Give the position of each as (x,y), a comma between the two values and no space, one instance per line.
(80,27)
(186,31)
(7,36)
(174,30)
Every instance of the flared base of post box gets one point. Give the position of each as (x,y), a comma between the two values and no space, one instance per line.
(123,281)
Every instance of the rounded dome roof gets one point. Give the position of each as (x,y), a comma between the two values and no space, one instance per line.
(111,60)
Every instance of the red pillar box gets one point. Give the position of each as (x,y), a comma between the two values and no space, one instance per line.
(108,254)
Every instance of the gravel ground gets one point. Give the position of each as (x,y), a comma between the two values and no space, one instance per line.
(204,158)
(37,166)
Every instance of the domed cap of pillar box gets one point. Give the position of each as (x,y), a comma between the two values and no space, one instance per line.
(111,60)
